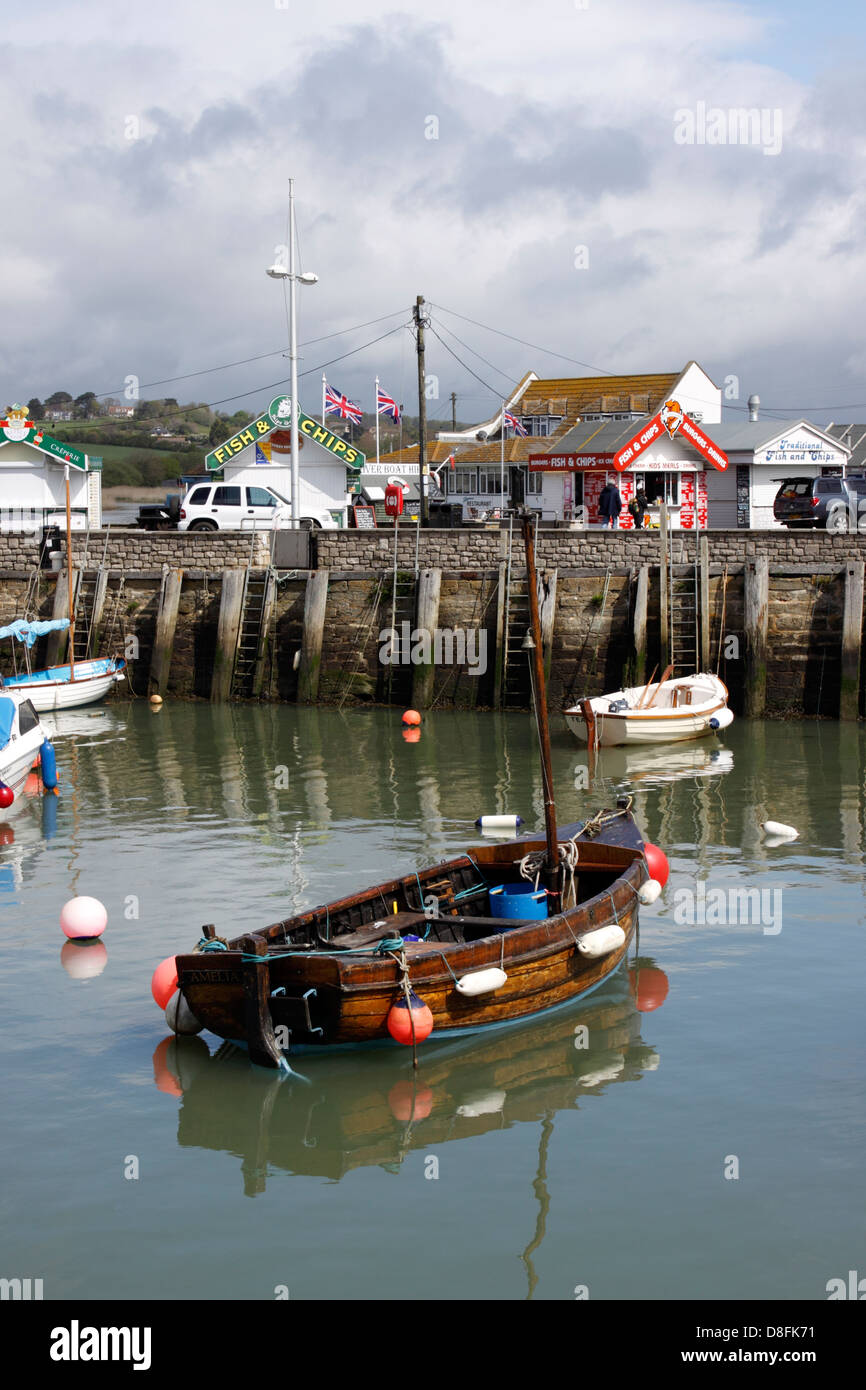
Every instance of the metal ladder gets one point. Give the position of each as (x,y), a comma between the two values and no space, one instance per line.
(516,689)
(684,614)
(252,632)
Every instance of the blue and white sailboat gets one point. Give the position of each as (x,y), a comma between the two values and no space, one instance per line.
(60,687)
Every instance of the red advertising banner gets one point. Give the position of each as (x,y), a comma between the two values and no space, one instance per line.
(567,463)
(705,446)
(635,447)
(631,452)
(626,486)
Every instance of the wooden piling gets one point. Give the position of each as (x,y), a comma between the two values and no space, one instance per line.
(852,629)
(499,654)
(704,586)
(426,620)
(57,642)
(756,580)
(547,613)
(166,624)
(641,599)
(228,629)
(315,605)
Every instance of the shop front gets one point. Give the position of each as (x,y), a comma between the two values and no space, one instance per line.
(573,484)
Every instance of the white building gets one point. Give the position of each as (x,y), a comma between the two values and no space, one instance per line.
(33,479)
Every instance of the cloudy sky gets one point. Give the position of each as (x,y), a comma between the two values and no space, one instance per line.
(544,170)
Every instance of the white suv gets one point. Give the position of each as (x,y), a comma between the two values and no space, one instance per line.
(241,507)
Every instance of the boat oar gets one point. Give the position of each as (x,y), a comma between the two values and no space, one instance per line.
(646,688)
(665,674)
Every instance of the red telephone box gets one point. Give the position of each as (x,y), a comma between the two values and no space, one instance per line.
(393,500)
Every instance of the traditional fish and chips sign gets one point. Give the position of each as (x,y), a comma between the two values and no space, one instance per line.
(673,419)
(279,416)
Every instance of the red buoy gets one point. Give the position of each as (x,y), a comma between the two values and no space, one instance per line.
(649,985)
(410,1102)
(164,982)
(411,716)
(400,1020)
(7,796)
(657,863)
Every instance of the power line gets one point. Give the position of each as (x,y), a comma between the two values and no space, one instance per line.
(465,365)
(535,346)
(244,361)
(450,331)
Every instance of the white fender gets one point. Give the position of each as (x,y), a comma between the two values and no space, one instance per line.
(601,942)
(775,827)
(486,1103)
(180,1017)
(649,891)
(482,981)
(499,822)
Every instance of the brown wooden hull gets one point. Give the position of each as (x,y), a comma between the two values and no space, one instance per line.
(266,994)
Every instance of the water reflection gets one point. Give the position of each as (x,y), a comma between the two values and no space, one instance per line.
(355,1109)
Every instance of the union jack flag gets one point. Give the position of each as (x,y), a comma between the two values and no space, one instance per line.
(512,423)
(386,405)
(337,404)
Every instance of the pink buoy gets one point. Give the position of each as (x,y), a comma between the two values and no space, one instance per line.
(164,982)
(83,918)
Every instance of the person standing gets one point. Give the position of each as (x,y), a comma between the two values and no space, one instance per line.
(638,508)
(610,505)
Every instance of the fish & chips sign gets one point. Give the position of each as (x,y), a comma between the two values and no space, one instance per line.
(279,413)
(673,419)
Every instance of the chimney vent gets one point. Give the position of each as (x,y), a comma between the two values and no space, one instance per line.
(754,402)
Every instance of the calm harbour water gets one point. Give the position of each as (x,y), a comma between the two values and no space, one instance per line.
(558,1166)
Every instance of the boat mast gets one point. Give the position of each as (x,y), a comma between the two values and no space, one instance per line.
(69,581)
(552,873)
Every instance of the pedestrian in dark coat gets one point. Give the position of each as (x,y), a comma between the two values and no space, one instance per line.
(610,505)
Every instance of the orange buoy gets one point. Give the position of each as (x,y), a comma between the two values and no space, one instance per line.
(411,716)
(165,1078)
(401,1017)
(410,1102)
(412,735)
(649,985)
(657,863)
(164,982)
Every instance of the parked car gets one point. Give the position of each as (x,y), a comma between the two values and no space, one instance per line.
(239,507)
(835,504)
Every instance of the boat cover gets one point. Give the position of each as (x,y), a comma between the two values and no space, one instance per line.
(84,670)
(7,719)
(28,632)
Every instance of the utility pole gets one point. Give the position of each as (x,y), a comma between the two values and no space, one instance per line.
(453,410)
(423,472)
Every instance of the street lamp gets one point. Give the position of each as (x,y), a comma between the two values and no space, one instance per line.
(280,272)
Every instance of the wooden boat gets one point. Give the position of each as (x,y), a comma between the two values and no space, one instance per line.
(334,974)
(21,737)
(69,687)
(667,711)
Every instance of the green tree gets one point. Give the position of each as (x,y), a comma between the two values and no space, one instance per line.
(86,405)
(60,400)
(35,408)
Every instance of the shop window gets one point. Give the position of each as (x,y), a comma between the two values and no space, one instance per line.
(461,480)
(489,481)
(662,487)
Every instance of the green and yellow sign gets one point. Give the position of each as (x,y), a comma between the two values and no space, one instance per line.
(279,415)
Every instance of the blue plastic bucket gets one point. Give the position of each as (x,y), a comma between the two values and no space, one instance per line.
(519,900)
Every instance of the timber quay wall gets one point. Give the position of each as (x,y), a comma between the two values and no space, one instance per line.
(783,614)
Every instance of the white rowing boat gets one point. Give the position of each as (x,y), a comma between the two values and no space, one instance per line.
(58,688)
(668,711)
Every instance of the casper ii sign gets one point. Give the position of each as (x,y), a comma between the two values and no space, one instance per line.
(277,415)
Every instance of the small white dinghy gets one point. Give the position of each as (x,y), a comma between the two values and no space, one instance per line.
(667,711)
